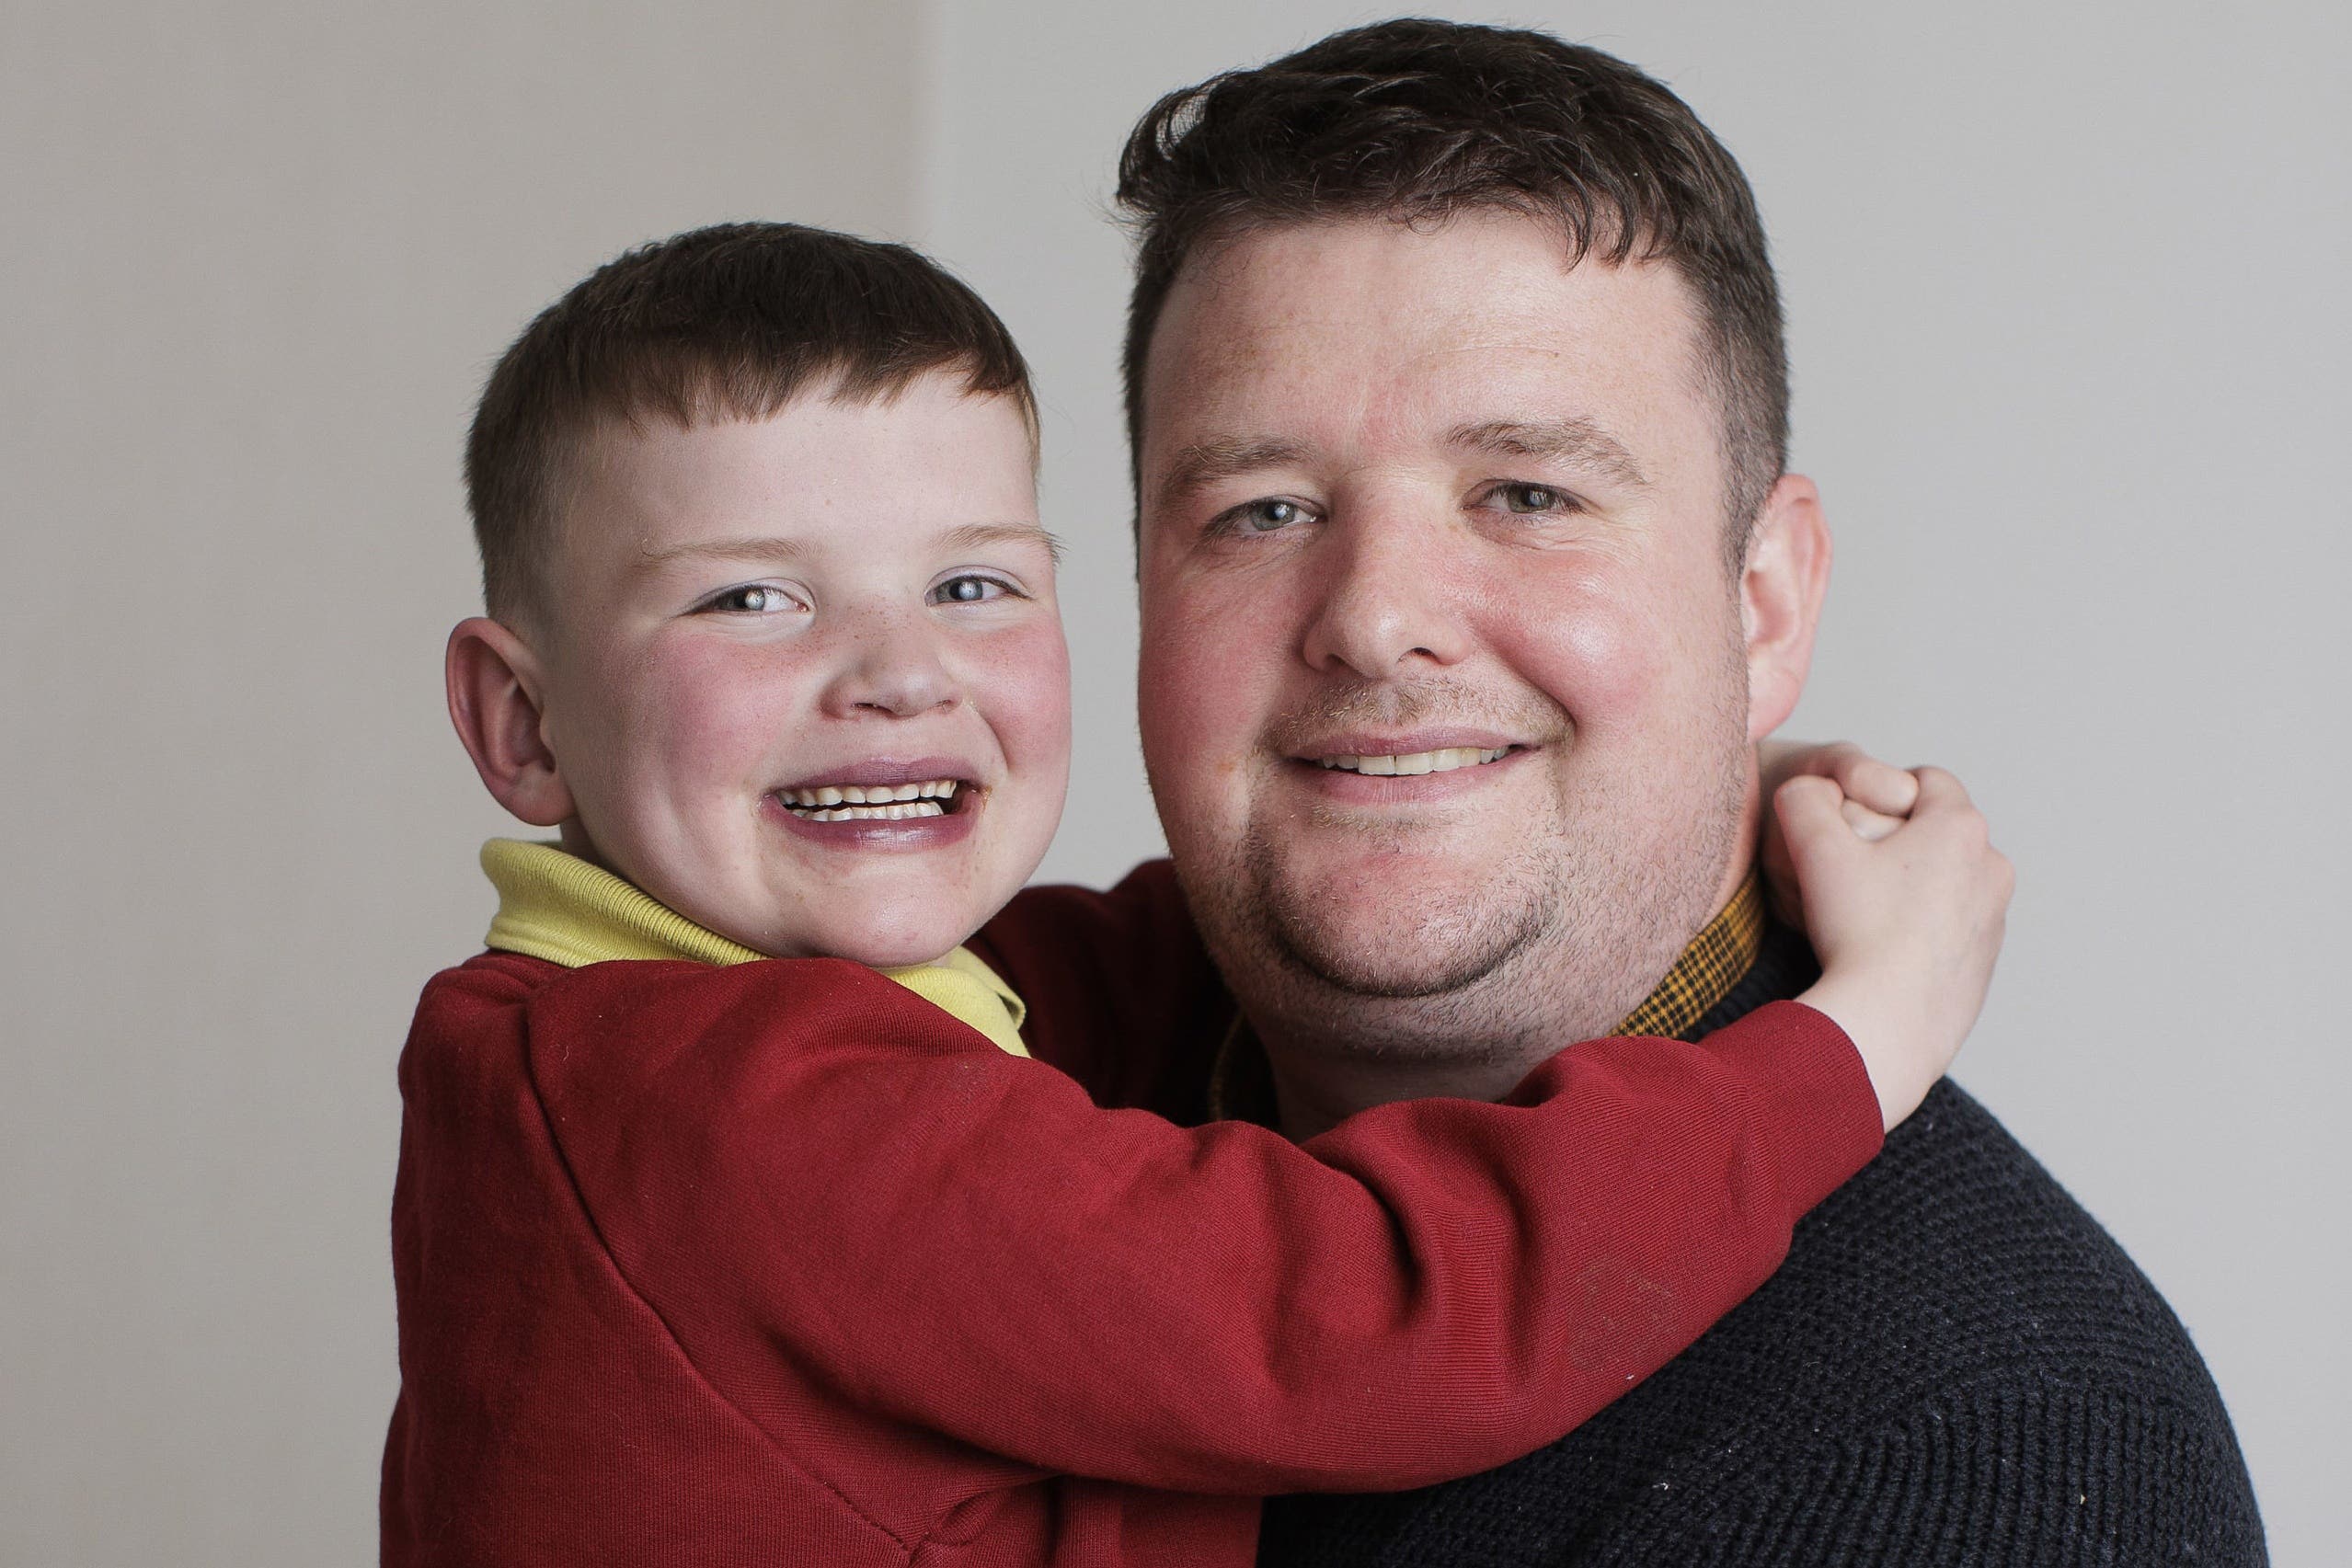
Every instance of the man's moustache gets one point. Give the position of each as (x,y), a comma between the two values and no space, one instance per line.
(1412,704)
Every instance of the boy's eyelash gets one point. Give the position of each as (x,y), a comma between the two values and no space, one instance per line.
(1004,584)
(718,602)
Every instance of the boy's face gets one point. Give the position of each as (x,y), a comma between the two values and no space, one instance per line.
(747,617)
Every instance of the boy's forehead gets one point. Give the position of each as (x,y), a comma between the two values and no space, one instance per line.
(930,432)
(933,465)
(784,547)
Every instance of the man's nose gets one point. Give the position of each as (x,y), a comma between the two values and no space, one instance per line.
(892,666)
(1387,599)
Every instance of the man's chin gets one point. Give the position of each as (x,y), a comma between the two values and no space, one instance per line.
(1395,945)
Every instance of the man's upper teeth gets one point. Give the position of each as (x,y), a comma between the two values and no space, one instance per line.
(1439,762)
(871,795)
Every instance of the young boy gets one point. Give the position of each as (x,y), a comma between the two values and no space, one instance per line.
(733,1224)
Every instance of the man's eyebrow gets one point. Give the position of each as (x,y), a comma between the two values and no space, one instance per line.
(1206,463)
(1576,441)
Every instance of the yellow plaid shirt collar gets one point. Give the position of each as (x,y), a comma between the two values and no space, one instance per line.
(1707,969)
(1241,1086)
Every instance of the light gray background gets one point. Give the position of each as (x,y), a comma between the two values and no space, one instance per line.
(2067,315)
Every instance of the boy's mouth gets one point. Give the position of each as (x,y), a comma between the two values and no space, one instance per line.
(874,803)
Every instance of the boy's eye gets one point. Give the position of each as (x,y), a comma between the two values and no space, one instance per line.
(753,598)
(969,589)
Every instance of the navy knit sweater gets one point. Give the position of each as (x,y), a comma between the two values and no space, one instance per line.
(1956,1366)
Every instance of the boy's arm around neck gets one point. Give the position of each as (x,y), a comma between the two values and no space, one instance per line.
(1121,994)
(838,1199)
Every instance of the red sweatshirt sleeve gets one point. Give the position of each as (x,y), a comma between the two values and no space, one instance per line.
(1122,995)
(811,1174)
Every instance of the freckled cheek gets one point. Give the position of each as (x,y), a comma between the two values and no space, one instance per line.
(713,721)
(1020,679)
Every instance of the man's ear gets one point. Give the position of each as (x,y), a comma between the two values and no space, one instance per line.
(495,685)
(1781,588)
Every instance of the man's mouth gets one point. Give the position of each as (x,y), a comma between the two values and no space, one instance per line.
(875,803)
(1444,761)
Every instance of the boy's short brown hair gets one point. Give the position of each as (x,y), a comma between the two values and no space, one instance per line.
(729,322)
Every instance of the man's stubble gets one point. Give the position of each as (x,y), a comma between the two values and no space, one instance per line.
(1555,943)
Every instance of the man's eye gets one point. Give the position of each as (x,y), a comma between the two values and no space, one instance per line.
(1270,515)
(1533,499)
(752,599)
(969,589)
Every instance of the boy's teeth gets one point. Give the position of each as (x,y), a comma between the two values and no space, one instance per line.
(872,795)
(892,812)
(1440,762)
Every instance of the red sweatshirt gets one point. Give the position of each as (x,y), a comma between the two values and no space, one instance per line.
(779,1263)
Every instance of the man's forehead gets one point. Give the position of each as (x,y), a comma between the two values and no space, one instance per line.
(1450,263)
(1393,294)
(1397,312)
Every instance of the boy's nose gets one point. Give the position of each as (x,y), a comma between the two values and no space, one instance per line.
(894,670)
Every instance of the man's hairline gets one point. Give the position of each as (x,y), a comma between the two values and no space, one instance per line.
(1710,365)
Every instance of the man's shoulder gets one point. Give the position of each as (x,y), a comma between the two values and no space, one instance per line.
(1951,1338)
(1954,1262)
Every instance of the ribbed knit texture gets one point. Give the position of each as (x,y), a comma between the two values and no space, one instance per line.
(1954,1366)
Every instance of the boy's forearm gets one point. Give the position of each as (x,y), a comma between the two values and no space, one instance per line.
(1430,1289)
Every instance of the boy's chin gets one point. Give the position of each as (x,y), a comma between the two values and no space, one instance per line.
(886,939)
(894,955)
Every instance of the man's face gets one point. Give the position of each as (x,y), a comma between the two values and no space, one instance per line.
(805,682)
(1445,690)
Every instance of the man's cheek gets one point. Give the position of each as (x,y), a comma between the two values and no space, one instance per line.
(1601,667)
(1196,689)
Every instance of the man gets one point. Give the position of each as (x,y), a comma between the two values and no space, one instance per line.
(1471,576)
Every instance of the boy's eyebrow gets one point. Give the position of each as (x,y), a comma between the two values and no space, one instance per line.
(1578,442)
(726,550)
(969,536)
(978,535)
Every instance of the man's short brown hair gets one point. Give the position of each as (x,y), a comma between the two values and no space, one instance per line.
(1419,120)
(729,322)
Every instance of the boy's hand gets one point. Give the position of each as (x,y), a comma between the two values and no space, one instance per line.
(1907,927)
(1878,796)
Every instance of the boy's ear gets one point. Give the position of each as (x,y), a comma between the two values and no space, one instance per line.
(1781,587)
(495,683)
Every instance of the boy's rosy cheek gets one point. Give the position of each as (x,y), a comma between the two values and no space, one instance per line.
(1035,674)
(725,719)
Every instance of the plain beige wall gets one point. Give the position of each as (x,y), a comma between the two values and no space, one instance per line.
(256,260)
(2066,319)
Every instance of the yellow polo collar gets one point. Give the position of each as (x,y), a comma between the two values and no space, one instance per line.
(558,907)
